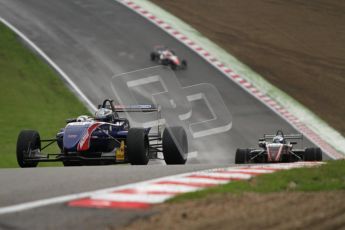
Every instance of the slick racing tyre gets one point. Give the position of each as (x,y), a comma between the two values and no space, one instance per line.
(153,56)
(28,141)
(313,154)
(137,146)
(184,64)
(175,145)
(242,156)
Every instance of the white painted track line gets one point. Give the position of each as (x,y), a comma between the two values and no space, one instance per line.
(143,198)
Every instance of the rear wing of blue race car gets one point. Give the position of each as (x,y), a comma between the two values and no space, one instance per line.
(129,108)
(137,108)
(143,108)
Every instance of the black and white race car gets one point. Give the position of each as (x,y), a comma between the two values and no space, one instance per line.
(167,57)
(279,149)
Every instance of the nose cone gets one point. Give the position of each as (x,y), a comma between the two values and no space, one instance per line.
(73,134)
(175,60)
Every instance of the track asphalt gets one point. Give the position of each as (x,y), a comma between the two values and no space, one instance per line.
(93,41)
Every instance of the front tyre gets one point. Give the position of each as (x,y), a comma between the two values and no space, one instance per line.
(184,64)
(313,154)
(175,145)
(28,142)
(137,146)
(242,156)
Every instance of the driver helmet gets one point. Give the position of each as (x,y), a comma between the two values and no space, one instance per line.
(105,115)
(278,139)
(82,118)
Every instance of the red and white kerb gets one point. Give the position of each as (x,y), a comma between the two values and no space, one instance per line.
(142,195)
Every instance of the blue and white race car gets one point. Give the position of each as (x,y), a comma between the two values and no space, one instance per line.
(105,138)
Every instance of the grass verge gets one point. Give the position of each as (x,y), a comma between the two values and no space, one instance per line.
(330,176)
(32,97)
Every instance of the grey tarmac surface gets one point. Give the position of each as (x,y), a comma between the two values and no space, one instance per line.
(39,183)
(93,41)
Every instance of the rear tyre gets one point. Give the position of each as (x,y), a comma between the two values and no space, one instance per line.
(242,156)
(153,56)
(175,145)
(137,146)
(313,154)
(28,141)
